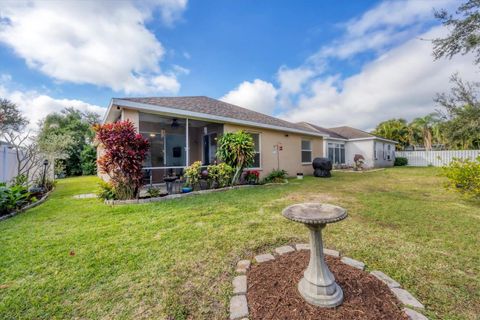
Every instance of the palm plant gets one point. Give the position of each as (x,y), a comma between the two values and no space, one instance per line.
(237,150)
(424,125)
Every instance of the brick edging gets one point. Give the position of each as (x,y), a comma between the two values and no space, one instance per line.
(239,305)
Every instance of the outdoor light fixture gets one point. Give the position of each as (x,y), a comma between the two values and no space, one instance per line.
(152,135)
(45,165)
(175,124)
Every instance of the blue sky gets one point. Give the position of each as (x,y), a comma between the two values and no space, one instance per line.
(332,63)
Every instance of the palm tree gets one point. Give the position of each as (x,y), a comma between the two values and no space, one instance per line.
(394,129)
(425,126)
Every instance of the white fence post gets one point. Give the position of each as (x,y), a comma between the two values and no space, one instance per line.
(436,158)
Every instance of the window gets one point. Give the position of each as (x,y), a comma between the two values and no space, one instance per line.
(384,153)
(336,153)
(389,152)
(306,151)
(375,150)
(256,159)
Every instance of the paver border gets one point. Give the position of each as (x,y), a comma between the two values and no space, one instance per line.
(242,267)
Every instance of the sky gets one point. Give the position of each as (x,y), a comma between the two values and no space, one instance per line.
(330,63)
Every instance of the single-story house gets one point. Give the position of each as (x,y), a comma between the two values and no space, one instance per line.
(343,143)
(182,130)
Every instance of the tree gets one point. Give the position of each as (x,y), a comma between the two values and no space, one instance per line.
(11,119)
(75,127)
(237,150)
(122,160)
(464,36)
(461,114)
(425,125)
(394,129)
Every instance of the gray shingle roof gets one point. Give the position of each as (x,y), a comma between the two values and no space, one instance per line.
(215,107)
(323,130)
(351,133)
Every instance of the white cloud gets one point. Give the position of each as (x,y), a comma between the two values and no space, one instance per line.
(94,42)
(401,83)
(36,106)
(389,23)
(258,95)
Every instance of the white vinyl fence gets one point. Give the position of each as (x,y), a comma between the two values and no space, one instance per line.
(8,163)
(436,158)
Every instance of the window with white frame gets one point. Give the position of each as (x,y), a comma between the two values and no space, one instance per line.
(384,151)
(375,154)
(389,152)
(336,153)
(256,159)
(306,151)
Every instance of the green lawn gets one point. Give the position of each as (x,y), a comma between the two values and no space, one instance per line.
(177,258)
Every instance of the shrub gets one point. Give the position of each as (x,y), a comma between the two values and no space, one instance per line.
(464,176)
(276,176)
(237,150)
(220,174)
(400,161)
(153,192)
(13,198)
(192,174)
(124,152)
(252,176)
(106,191)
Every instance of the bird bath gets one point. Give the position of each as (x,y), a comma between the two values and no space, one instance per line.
(318,285)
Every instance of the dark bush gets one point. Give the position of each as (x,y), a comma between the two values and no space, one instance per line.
(276,176)
(400,161)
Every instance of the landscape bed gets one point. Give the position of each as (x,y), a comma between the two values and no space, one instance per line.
(77,258)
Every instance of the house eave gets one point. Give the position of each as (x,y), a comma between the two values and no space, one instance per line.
(199,116)
(373,138)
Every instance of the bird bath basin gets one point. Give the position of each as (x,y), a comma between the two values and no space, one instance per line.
(318,285)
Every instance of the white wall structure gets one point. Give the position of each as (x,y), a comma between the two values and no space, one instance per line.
(436,158)
(383,157)
(8,163)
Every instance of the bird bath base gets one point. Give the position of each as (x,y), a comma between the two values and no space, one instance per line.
(318,286)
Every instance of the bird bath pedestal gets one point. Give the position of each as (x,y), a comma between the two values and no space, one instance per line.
(318,285)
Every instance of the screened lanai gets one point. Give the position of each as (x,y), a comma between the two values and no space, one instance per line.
(175,143)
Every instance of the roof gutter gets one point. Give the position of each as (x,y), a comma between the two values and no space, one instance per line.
(200,116)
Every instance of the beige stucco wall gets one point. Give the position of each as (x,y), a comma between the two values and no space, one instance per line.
(131,115)
(289,157)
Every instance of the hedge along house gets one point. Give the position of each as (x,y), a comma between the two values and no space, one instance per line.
(182,130)
(343,143)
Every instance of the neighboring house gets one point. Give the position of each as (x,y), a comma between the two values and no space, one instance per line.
(343,143)
(182,130)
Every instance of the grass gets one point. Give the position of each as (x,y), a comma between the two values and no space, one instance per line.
(78,258)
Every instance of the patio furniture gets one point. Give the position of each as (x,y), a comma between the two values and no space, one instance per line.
(318,285)
(322,167)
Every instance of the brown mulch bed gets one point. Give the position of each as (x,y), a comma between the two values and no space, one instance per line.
(273,294)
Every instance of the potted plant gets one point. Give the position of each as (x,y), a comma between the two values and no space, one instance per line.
(358,160)
(186,189)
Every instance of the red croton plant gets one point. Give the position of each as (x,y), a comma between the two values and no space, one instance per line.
(124,151)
